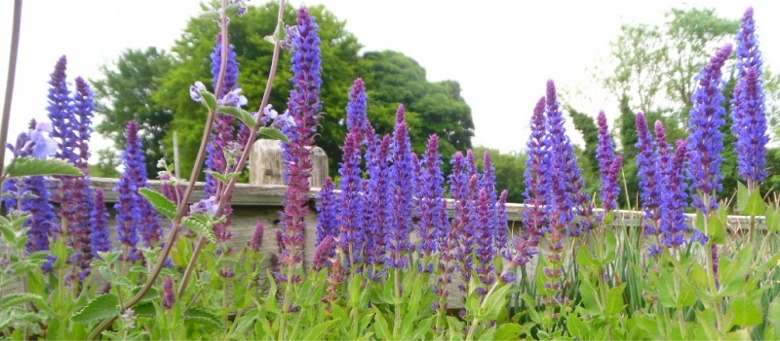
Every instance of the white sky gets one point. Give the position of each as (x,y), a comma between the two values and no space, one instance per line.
(501,52)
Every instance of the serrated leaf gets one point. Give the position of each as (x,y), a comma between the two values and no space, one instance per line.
(100,308)
(159,202)
(145,309)
(202,317)
(200,224)
(223,178)
(12,300)
(273,134)
(29,166)
(241,114)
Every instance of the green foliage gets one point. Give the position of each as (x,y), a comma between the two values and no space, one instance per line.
(509,171)
(149,86)
(97,309)
(126,92)
(30,166)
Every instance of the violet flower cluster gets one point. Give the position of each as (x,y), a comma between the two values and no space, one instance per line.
(565,194)
(705,142)
(748,108)
(536,184)
(71,122)
(609,164)
(304,107)
(135,216)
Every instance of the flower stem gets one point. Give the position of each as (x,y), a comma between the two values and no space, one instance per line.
(247,149)
(9,86)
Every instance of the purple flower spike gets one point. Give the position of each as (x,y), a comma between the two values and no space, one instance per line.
(565,193)
(750,128)
(168,296)
(323,253)
(327,222)
(131,207)
(223,131)
(350,216)
(606,158)
(705,142)
(83,107)
(71,127)
(378,208)
(748,54)
(673,223)
(100,232)
(304,107)
(433,221)
(402,192)
(257,237)
(536,184)
(60,113)
(649,174)
(356,112)
(484,239)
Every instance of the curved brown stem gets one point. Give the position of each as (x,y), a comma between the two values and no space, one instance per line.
(228,188)
(9,85)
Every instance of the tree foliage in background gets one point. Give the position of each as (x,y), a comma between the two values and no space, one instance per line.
(391,78)
(654,72)
(431,108)
(509,171)
(126,93)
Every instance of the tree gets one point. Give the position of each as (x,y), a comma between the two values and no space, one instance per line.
(655,67)
(391,78)
(192,52)
(509,171)
(126,93)
(432,108)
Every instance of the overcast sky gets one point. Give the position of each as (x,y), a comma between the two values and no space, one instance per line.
(501,52)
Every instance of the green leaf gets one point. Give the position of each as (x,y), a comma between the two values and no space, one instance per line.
(273,134)
(716,231)
(223,178)
(209,100)
(317,332)
(585,258)
(614,304)
(241,114)
(102,307)
(381,328)
(201,224)
(423,328)
(612,245)
(511,331)
(772,218)
(29,166)
(749,203)
(577,328)
(12,300)
(745,312)
(773,314)
(145,309)
(160,202)
(202,317)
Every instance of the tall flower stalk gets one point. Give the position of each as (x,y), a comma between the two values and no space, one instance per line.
(536,184)
(748,108)
(304,106)
(705,145)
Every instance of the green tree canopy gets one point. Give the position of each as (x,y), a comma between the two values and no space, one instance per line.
(391,78)
(125,94)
